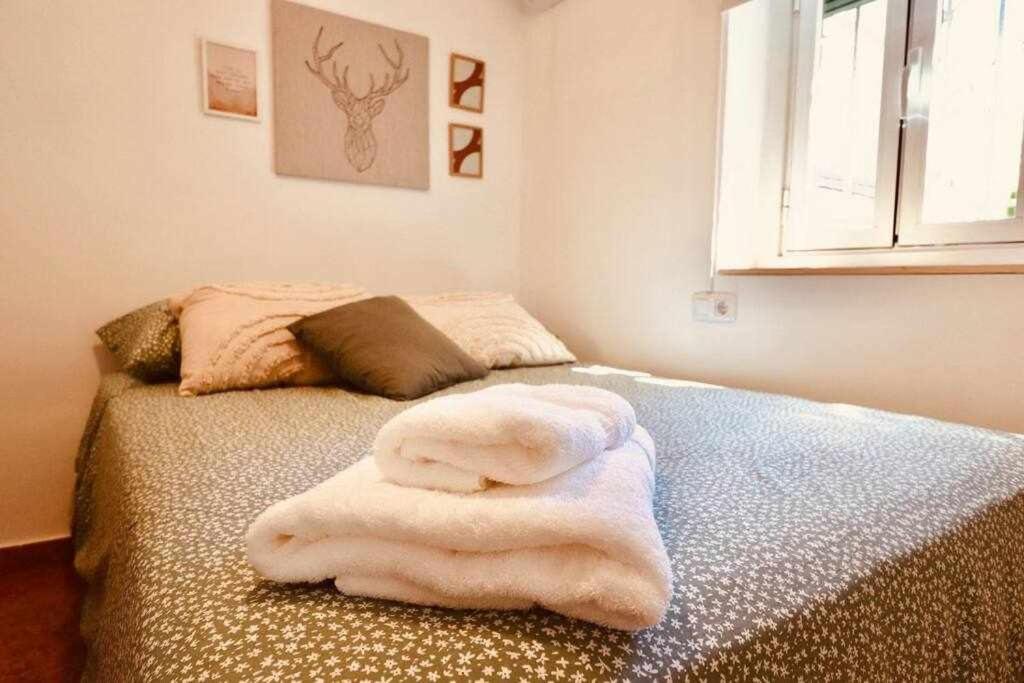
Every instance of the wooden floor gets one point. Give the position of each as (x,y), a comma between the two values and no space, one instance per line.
(39,600)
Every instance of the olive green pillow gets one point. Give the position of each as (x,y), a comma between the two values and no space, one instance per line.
(145,342)
(382,346)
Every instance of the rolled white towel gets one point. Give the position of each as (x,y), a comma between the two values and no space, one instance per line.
(584,543)
(510,433)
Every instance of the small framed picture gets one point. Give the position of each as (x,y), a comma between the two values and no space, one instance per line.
(230,86)
(465,151)
(467,83)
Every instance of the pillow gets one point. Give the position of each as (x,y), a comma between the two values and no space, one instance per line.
(382,346)
(236,336)
(145,342)
(492,328)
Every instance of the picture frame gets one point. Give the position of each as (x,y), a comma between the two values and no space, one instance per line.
(230,81)
(351,99)
(465,151)
(467,83)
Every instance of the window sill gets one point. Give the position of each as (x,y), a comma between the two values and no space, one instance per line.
(1004,259)
(1009,269)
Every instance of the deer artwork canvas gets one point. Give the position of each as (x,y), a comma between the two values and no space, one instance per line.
(350,99)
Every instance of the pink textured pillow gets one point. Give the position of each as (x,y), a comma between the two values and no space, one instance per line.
(235,336)
(492,328)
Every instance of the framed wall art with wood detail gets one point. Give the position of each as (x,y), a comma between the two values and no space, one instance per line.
(465,151)
(350,99)
(466,78)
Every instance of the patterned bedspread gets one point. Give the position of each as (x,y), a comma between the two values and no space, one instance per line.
(822,542)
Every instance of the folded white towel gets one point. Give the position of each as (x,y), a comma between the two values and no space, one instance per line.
(509,433)
(584,543)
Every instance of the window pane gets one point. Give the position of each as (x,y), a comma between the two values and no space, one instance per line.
(846,102)
(976,112)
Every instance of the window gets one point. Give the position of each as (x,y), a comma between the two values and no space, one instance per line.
(901,125)
(965,125)
(846,124)
(938,84)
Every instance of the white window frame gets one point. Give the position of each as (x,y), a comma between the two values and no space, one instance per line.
(799,231)
(911,231)
(756,145)
(901,158)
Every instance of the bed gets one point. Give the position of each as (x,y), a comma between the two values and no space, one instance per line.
(808,540)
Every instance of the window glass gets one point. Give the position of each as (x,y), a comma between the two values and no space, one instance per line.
(976,112)
(846,95)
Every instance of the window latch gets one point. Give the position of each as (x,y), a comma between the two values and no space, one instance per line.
(912,88)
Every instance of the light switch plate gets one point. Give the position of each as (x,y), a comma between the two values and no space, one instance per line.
(715,307)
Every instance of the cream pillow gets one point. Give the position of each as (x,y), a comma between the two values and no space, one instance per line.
(235,336)
(492,328)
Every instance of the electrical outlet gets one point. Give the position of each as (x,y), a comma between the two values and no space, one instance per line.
(714,307)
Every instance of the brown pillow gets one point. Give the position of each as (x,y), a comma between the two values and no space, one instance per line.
(382,346)
(145,342)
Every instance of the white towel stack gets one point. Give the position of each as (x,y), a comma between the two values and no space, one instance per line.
(511,433)
(505,498)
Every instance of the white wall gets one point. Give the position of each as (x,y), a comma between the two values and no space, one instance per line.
(616,233)
(115,190)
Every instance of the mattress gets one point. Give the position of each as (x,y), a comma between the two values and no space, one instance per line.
(807,540)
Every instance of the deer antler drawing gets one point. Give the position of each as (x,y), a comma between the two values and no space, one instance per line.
(360,142)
